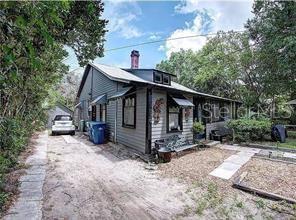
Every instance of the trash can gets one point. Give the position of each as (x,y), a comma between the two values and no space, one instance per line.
(98,132)
(165,154)
(89,130)
(98,135)
(81,125)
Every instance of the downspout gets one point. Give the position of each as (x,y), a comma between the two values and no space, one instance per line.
(115,121)
(148,120)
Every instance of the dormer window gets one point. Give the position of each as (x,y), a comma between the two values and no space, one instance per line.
(166,79)
(157,77)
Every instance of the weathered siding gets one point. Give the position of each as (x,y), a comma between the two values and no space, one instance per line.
(134,137)
(101,85)
(159,130)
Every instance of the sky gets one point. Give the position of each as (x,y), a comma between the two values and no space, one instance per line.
(132,22)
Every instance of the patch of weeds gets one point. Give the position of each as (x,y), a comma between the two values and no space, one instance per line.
(210,199)
(267,216)
(283,207)
(197,184)
(187,211)
(260,204)
(224,212)
(239,204)
(201,206)
(250,217)
(3,198)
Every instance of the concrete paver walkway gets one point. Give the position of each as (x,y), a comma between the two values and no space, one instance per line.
(233,163)
(29,203)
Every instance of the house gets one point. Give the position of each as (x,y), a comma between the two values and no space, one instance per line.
(140,106)
(58,109)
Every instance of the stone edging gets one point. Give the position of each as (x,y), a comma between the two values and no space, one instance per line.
(266,147)
(29,203)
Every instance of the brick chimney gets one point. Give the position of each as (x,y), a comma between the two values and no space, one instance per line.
(135,59)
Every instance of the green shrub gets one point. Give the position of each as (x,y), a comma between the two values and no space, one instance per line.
(14,136)
(198,127)
(250,129)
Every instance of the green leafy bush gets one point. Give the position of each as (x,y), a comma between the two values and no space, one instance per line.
(250,129)
(198,127)
(14,136)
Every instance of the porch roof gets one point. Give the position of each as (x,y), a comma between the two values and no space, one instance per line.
(120,93)
(183,102)
(102,99)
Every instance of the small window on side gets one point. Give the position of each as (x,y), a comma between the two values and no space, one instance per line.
(166,79)
(157,77)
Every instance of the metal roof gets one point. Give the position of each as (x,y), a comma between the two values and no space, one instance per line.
(120,75)
(99,100)
(183,102)
(120,93)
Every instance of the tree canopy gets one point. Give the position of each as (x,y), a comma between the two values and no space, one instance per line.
(254,66)
(33,37)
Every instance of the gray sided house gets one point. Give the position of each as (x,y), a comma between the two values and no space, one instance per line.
(140,106)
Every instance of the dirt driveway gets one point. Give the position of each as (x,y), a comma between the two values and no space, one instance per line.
(88,182)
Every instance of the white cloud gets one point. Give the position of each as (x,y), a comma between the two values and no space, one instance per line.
(121,15)
(186,7)
(210,16)
(194,43)
(154,37)
(161,48)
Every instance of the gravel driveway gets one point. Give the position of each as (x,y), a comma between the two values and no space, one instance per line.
(88,182)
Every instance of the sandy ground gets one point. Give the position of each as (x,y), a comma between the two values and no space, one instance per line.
(271,176)
(87,182)
(84,181)
(215,198)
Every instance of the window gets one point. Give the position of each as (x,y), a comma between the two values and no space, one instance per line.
(174,118)
(93,113)
(166,79)
(157,77)
(103,112)
(129,111)
(215,107)
(63,118)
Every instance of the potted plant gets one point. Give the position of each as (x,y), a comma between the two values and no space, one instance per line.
(198,130)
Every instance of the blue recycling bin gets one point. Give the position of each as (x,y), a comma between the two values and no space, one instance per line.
(98,132)
(89,130)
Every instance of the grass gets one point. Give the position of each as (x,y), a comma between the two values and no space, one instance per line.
(290,143)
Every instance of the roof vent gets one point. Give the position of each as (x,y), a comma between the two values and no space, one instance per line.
(135,59)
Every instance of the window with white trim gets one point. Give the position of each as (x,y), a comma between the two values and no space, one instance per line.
(129,111)
(174,116)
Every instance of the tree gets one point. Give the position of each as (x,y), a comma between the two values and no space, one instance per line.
(273,30)
(223,67)
(33,36)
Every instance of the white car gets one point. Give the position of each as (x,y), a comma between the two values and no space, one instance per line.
(63,124)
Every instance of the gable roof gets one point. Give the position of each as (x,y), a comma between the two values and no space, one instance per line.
(120,75)
(64,108)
